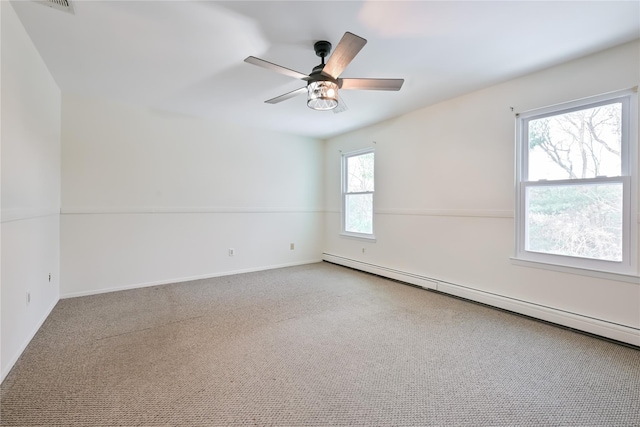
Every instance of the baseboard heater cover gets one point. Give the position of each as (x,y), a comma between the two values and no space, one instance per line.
(579,322)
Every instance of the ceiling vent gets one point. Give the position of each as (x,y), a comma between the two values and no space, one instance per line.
(64,5)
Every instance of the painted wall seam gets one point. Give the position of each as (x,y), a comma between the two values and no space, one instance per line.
(477,213)
(464,213)
(8,216)
(182,210)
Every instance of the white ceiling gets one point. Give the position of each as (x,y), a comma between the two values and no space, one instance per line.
(187,57)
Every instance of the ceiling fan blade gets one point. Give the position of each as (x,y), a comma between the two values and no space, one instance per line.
(370,84)
(286,96)
(347,49)
(274,67)
(341,106)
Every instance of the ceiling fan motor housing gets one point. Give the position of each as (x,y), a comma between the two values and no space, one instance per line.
(317,76)
(322,48)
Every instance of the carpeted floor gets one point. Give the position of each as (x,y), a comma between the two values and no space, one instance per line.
(314,345)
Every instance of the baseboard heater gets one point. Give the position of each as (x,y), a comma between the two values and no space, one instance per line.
(614,331)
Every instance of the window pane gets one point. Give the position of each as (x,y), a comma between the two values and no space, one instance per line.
(360,173)
(581,144)
(576,220)
(359,213)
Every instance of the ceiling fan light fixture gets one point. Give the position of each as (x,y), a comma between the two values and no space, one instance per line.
(324,80)
(322,95)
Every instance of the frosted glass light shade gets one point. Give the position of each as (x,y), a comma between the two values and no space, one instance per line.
(322,95)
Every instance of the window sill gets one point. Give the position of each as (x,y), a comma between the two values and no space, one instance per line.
(619,277)
(369,238)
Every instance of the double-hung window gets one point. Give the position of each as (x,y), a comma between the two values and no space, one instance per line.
(357,193)
(577,184)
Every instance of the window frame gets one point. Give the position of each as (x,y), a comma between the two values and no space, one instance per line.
(628,179)
(344,193)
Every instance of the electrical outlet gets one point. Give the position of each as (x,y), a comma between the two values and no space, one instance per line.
(292,246)
(28,297)
(364,250)
(232,252)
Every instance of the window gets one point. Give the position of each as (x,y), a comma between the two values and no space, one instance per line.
(357,193)
(577,184)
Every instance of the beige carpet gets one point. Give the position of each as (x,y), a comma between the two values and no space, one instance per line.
(315,345)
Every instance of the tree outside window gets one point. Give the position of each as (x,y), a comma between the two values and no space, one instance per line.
(576,220)
(358,189)
(575,184)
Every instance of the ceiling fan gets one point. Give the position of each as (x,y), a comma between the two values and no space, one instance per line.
(324,81)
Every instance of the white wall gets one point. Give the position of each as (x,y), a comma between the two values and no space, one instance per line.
(150,197)
(445,199)
(30,151)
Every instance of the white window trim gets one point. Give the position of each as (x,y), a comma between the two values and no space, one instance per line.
(343,193)
(590,267)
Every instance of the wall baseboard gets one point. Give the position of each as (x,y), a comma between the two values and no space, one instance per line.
(587,324)
(26,342)
(184,279)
